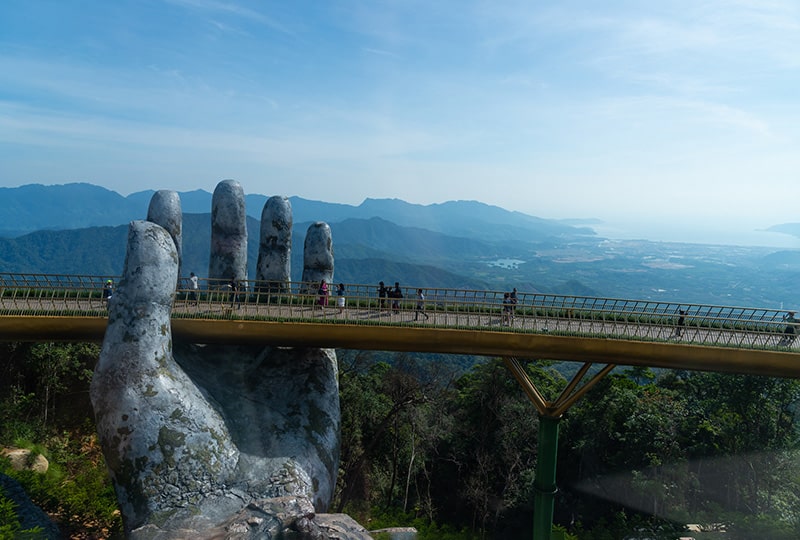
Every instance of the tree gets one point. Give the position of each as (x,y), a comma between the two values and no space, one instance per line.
(487,463)
(739,430)
(39,376)
(376,401)
(622,446)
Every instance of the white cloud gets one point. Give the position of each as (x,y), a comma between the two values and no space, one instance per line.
(232,8)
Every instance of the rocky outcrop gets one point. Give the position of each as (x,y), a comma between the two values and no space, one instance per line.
(206,438)
(265,519)
(22,459)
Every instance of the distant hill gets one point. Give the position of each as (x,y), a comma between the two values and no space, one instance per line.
(71,206)
(35,207)
(81,228)
(393,241)
(786,228)
(90,251)
(468,218)
(366,251)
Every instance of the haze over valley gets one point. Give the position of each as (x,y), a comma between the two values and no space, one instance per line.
(81,228)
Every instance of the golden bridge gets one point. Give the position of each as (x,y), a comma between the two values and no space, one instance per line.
(47,307)
(607,331)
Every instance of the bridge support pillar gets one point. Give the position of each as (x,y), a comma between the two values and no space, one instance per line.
(545,483)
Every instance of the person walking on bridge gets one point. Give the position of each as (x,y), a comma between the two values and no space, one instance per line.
(508,306)
(790,332)
(681,323)
(323,294)
(420,306)
(193,288)
(396,295)
(233,285)
(383,292)
(340,299)
(108,291)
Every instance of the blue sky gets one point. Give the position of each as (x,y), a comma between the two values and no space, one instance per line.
(684,112)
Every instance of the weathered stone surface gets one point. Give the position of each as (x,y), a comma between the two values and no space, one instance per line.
(286,518)
(228,233)
(341,526)
(167,448)
(165,210)
(281,407)
(194,434)
(318,254)
(275,243)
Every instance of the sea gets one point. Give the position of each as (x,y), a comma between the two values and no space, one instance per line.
(741,235)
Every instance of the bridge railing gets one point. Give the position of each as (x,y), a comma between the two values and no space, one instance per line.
(43,294)
(52,294)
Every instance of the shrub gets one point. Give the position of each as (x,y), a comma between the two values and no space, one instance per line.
(76,490)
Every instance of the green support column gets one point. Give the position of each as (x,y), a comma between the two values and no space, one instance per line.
(545,483)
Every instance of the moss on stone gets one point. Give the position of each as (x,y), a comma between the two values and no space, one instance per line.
(179,416)
(168,441)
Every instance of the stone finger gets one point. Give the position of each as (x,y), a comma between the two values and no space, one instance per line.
(165,210)
(318,254)
(228,259)
(275,243)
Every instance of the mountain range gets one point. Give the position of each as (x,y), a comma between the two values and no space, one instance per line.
(82,229)
(35,207)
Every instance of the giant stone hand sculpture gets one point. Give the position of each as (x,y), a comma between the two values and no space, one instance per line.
(220,441)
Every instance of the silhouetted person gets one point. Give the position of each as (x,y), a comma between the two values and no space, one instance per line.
(383,292)
(789,333)
(681,322)
(397,294)
(507,307)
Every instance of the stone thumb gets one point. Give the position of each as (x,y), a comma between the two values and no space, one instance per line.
(137,344)
(155,426)
(145,293)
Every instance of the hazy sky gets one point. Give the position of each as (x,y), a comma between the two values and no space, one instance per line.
(685,111)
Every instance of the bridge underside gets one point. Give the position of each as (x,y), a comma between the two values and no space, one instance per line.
(662,354)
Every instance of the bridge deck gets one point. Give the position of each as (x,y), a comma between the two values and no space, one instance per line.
(629,332)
